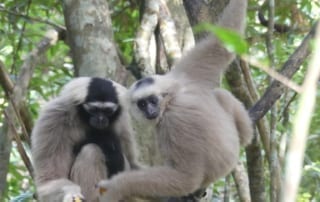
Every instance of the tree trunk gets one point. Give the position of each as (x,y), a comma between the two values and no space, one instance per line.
(89,33)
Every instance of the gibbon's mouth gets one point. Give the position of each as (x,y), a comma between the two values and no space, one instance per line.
(153,115)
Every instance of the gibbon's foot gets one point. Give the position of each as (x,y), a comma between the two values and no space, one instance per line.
(73,198)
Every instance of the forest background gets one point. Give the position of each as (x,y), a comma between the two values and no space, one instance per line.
(40,50)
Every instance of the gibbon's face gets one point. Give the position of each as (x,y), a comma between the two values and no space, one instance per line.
(101,107)
(145,98)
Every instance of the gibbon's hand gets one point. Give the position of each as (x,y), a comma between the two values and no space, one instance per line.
(72,195)
(73,198)
(107,192)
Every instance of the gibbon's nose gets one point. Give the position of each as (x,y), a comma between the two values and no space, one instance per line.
(152,114)
(99,122)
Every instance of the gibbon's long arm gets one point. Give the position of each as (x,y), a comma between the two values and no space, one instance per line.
(79,139)
(205,63)
(155,181)
(52,155)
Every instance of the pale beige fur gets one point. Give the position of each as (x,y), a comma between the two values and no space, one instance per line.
(58,175)
(199,130)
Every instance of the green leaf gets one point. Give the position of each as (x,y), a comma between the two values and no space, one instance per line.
(232,40)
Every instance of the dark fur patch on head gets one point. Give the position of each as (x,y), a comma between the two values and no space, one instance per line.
(101,90)
(144,82)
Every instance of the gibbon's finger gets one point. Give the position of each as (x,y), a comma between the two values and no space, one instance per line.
(78,199)
(102,187)
(102,190)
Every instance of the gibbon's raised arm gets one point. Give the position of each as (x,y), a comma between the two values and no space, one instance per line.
(198,130)
(82,136)
(206,62)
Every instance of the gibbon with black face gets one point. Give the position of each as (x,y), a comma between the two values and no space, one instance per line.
(82,136)
(199,130)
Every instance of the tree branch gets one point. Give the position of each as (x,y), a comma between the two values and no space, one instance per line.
(242,182)
(169,34)
(15,94)
(20,146)
(143,37)
(59,28)
(301,126)
(276,89)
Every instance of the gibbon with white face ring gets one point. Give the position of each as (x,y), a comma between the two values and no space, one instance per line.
(199,130)
(82,136)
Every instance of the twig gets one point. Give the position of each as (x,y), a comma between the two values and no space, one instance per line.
(8,86)
(276,89)
(5,80)
(21,35)
(29,64)
(26,135)
(274,74)
(20,147)
(54,25)
(301,126)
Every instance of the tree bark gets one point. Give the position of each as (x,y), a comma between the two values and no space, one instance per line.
(201,11)
(5,149)
(89,33)
(276,89)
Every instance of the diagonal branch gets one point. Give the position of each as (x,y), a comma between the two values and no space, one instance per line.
(54,25)
(18,140)
(276,89)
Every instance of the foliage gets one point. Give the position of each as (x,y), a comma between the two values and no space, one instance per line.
(20,31)
(230,39)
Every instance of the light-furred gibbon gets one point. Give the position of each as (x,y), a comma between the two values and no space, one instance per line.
(199,130)
(82,136)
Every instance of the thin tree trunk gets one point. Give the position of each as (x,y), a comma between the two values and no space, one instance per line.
(5,149)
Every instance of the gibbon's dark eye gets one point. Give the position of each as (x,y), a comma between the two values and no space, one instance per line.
(93,110)
(108,111)
(142,104)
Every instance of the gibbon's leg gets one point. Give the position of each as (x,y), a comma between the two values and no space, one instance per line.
(239,113)
(59,190)
(88,169)
(155,181)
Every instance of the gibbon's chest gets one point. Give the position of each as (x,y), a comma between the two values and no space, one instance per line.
(109,143)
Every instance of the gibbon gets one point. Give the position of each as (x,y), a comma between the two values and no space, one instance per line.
(82,136)
(199,130)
